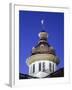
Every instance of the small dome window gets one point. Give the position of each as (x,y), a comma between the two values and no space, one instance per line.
(42,45)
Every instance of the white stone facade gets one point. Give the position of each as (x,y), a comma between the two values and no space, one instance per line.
(42,68)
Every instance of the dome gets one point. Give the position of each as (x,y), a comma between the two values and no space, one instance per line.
(43,50)
(43,46)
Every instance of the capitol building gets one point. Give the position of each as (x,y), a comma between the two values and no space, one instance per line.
(43,59)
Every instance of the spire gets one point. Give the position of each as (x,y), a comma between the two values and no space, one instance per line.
(43,34)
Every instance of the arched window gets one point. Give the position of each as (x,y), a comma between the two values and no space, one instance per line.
(33,68)
(39,66)
(42,45)
(43,66)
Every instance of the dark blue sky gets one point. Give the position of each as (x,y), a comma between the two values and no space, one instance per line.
(30,26)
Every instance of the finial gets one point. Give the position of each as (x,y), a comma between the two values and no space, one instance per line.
(42,21)
(42,24)
(43,35)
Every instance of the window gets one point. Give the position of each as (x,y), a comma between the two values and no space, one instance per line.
(43,66)
(39,66)
(53,67)
(50,67)
(33,68)
(42,45)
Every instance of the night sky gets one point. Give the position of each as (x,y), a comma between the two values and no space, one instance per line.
(30,26)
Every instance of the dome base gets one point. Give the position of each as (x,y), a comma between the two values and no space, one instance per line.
(42,68)
(40,75)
